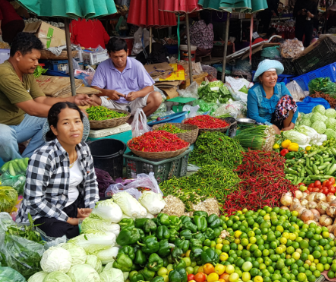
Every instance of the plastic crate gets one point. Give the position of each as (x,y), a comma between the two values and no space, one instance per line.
(4,55)
(171,49)
(94,58)
(177,118)
(321,55)
(61,66)
(326,71)
(163,170)
(281,77)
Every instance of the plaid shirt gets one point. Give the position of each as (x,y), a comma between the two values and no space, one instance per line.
(47,184)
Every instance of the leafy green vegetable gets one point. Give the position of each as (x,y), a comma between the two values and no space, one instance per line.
(39,71)
(319,109)
(8,198)
(319,126)
(330,113)
(213,91)
(322,84)
(331,123)
(330,133)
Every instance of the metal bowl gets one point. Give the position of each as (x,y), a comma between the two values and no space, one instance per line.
(245,120)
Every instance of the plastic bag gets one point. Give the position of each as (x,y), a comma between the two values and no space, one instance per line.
(236,109)
(190,91)
(139,124)
(141,40)
(291,48)
(270,52)
(324,85)
(8,274)
(17,182)
(206,107)
(236,87)
(295,90)
(243,66)
(8,198)
(143,180)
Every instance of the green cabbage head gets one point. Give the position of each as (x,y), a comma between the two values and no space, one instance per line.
(319,109)
(330,113)
(319,126)
(330,133)
(331,123)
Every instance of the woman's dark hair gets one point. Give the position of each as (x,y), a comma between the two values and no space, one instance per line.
(116,44)
(25,43)
(53,116)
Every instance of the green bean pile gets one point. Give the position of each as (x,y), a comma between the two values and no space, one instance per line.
(103,113)
(216,147)
(211,181)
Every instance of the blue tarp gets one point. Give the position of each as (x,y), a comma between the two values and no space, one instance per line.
(308,103)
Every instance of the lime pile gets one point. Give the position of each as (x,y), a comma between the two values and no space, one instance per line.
(272,244)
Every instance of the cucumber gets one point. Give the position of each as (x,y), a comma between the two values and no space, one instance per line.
(11,169)
(15,167)
(291,171)
(5,167)
(22,165)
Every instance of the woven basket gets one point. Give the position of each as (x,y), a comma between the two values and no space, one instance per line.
(202,130)
(189,136)
(157,155)
(110,123)
(47,55)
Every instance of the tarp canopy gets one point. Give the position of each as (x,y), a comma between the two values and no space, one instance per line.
(240,6)
(72,9)
(179,6)
(146,13)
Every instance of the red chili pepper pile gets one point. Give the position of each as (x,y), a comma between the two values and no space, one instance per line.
(157,141)
(263,182)
(207,122)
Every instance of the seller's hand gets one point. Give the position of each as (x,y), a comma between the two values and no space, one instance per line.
(276,129)
(83,213)
(95,100)
(81,100)
(310,15)
(73,221)
(290,127)
(113,94)
(131,96)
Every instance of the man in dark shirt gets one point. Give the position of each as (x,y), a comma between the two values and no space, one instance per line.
(267,14)
(304,13)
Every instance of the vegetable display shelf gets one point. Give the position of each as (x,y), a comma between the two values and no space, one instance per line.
(163,170)
(182,101)
(173,118)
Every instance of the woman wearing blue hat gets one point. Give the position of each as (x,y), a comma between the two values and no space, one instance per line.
(269,102)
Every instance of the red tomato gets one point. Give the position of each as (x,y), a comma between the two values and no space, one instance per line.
(332,180)
(308,192)
(330,194)
(316,190)
(311,185)
(301,184)
(325,190)
(200,277)
(332,189)
(325,182)
(191,277)
(317,183)
(310,189)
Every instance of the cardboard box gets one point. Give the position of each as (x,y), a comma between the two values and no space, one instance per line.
(49,35)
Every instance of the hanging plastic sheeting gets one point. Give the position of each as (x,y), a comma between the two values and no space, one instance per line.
(179,6)
(146,13)
(239,6)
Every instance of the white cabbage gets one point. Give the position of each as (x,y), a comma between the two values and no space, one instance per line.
(108,266)
(316,117)
(153,202)
(107,210)
(319,126)
(112,275)
(83,273)
(308,131)
(94,225)
(77,253)
(331,123)
(108,256)
(57,276)
(38,276)
(94,262)
(296,137)
(319,109)
(129,205)
(330,113)
(56,259)
(126,274)
(330,133)
(149,215)
(94,242)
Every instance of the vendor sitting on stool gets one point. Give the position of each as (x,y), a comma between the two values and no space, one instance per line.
(61,185)
(124,83)
(269,102)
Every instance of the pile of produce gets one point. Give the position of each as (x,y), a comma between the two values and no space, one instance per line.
(8,198)
(211,181)
(171,128)
(260,137)
(306,168)
(39,71)
(330,100)
(15,167)
(207,122)
(216,147)
(263,182)
(214,92)
(103,113)
(157,141)
(322,84)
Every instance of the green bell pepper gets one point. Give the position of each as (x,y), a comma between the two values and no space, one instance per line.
(142,234)
(290,155)
(196,253)
(170,259)
(165,261)
(126,222)
(127,250)
(123,262)
(140,258)
(209,256)
(190,226)
(140,222)
(182,244)
(136,277)
(176,253)
(149,226)
(158,279)
(199,236)
(173,235)
(209,234)
(196,243)
(147,274)
(214,221)
(162,233)
(175,222)
(186,234)
(178,275)
(164,219)
(184,219)
(157,221)
(154,262)
(180,264)
(128,236)
(201,223)
(150,245)
(164,249)
(201,213)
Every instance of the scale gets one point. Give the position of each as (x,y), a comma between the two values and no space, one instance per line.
(182,101)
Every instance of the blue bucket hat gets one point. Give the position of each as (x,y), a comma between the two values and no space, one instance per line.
(266,65)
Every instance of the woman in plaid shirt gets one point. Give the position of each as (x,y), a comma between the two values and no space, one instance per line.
(61,185)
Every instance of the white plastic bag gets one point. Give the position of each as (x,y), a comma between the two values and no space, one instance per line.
(235,85)
(190,91)
(141,35)
(296,91)
(139,124)
(235,109)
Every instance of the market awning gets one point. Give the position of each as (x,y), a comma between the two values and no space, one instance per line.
(179,6)
(146,13)
(72,9)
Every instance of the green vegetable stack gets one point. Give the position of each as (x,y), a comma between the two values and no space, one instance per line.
(171,128)
(103,113)
(214,92)
(39,71)
(15,167)
(147,245)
